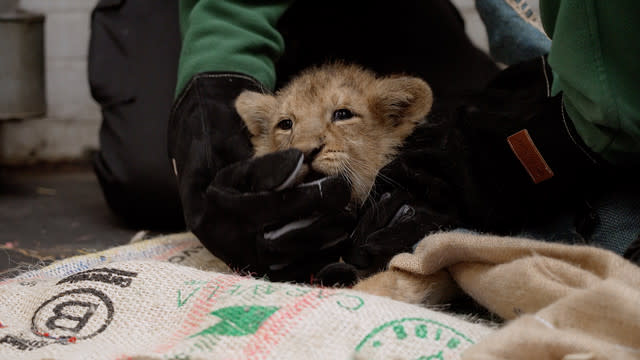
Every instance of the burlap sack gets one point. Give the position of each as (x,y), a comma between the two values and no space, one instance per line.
(141,302)
(566,302)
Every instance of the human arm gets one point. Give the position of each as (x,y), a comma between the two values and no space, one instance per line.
(211,153)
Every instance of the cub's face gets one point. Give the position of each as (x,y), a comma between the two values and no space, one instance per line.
(345,120)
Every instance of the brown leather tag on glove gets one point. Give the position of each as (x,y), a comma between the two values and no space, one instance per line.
(526,151)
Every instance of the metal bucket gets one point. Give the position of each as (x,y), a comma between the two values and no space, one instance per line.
(22,87)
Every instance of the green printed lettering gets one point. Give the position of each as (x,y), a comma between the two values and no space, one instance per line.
(265,289)
(235,289)
(206,345)
(195,282)
(420,330)
(400,333)
(213,292)
(321,294)
(182,302)
(357,305)
(453,343)
(432,357)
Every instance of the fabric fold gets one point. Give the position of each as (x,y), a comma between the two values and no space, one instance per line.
(562,301)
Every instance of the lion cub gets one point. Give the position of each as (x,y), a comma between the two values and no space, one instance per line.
(345,119)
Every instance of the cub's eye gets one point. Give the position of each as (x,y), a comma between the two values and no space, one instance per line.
(285,124)
(342,114)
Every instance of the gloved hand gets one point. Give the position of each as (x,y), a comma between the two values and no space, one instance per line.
(511,153)
(256,216)
(247,211)
(393,224)
(406,204)
(462,169)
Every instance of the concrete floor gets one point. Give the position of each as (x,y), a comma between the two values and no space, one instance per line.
(51,214)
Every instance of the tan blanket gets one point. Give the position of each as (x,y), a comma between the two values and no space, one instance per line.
(563,302)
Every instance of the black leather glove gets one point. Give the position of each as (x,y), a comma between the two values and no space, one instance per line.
(256,217)
(406,204)
(505,183)
(247,211)
(459,170)
(393,224)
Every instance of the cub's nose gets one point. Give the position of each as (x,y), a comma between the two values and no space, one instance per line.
(310,155)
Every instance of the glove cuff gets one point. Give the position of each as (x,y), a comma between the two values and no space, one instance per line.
(201,79)
(208,97)
(205,133)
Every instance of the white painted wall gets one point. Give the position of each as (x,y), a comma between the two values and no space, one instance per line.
(72,121)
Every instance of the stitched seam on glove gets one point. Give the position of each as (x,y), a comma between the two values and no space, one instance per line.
(213,76)
(566,126)
(546,76)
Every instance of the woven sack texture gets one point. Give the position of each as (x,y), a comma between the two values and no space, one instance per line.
(169,298)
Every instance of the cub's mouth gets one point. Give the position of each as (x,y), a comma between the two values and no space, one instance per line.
(310,171)
(317,164)
(313,175)
(307,174)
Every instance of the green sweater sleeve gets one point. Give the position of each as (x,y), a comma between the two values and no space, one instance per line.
(595,57)
(230,36)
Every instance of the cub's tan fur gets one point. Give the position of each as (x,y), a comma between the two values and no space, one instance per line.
(385,111)
(399,285)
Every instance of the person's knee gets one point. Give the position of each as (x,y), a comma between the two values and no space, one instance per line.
(142,193)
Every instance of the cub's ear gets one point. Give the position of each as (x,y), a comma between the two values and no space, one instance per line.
(401,100)
(255,109)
